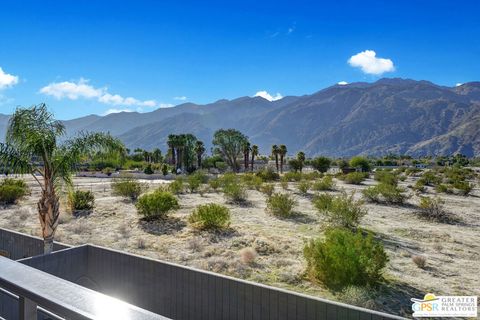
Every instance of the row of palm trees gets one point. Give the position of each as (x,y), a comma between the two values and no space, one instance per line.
(279,151)
(249,154)
(183,148)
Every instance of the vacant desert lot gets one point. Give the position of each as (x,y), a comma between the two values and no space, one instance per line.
(452,250)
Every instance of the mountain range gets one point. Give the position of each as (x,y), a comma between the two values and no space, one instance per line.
(391,115)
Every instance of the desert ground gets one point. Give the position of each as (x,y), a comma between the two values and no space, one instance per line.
(452,250)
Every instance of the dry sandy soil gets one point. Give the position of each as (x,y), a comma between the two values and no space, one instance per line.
(452,250)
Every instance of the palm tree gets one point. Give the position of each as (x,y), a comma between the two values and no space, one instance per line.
(275,154)
(199,150)
(171,145)
(156,155)
(301,159)
(282,151)
(32,147)
(180,145)
(254,154)
(246,154)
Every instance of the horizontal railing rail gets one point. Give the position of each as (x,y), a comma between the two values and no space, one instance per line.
(35,288)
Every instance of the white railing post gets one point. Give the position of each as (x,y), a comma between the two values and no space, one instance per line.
(27,309)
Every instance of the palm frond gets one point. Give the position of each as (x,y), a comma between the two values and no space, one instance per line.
(13,161)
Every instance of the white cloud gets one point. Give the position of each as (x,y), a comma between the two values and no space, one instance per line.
(181,98)
(458,84)
(82,89)
(165,105)
(369,63)
(7,80)
(113,110)
(342,83)
(269,97)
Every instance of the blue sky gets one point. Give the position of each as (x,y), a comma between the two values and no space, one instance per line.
(91,57)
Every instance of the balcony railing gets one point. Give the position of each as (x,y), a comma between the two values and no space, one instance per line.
(38,291)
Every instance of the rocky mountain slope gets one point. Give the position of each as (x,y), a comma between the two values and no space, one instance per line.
(390,115)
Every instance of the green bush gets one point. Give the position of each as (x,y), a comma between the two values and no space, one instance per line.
(325,184)
(281,204)
(284,183)
(321,164)
(252,181)
(128,187)
(268,175)
(214,184)
(354,177)
(293,176)
(156,204)
(267,189)
(443,188)
(210,216)
(148,169)
(384,192)
(304,186)
(345,258)
(164,169)
(430,178)
(433,209)
(195,180)
(386,177)
(235,192)
(79,200)
(312,175)
(463,187)
(360,162)
(108,171)
(340,211)
(176,186)
(11,190)
(419,185)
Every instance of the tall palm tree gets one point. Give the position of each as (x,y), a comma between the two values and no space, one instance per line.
(171,144)
(199,150)
(246,154)
(32,147)
(275,154)
(254,154)
(301,159)
(282,151)
(180,146)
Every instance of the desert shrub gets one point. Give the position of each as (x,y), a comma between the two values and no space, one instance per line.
(386,177)
(325,184)
(411,171)
(176,186)
(345,258)
(252,181)
(420,261)
(322,202)
(295,165)
(148,169)
(156,204)
(293,176)
(235,192)
(195,180)
(214,184)
(354,177)
(164,169)
(11,190)
(360,162)
(281,204)
(267,189)
(433,209)
(430,178)
(321,164)
(108,171)
(443,188)
(312,175)
(419,185)
(128,187)
(358,296)
(210,216)
(304,186)
(268,174)
(340,211)
(228,178)
(284,183)
(463,187)
(384,192)
(79,200)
